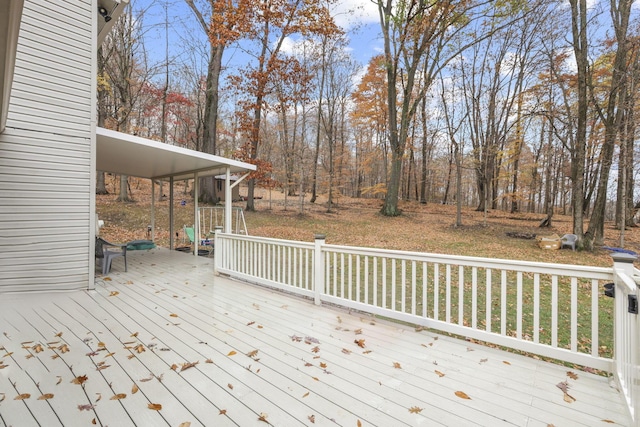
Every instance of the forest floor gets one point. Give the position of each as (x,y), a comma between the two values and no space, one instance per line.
(357,222)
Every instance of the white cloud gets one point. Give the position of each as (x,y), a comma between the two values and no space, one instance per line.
(352,13)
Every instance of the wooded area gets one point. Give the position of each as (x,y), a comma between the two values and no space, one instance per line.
(521,106)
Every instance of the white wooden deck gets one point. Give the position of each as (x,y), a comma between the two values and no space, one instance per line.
(258,356)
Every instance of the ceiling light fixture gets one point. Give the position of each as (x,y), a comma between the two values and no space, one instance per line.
(105,14)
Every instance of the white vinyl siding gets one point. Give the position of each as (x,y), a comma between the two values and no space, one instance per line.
(45,152)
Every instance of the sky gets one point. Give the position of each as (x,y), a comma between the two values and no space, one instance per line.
(359,18)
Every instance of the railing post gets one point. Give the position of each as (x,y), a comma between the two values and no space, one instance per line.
(318,266)
(217,257)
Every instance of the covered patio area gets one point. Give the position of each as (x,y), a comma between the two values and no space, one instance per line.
(169,343)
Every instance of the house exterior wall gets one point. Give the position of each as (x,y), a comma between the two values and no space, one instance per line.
(47,160)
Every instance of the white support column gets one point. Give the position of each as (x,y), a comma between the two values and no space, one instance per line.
(227,202)
(171,213)
(153,208)
(196,225)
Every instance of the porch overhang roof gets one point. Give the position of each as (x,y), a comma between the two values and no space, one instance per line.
(124,154)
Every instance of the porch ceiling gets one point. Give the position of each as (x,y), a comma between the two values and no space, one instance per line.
(130,155)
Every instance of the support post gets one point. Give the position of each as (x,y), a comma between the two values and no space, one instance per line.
(318,268)
(172,241)
(196,218)
(227,201)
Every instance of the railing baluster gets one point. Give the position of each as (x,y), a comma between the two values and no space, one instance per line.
(448,294)
(425,290)
(474,297)
(536,308)
(460,295)
(574,314)
(503,303)
(436,291)
(519,305)
(414,297)
(554,311)
(595,316)
(488,300)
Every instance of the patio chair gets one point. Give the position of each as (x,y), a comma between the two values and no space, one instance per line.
(569,240)
(104,253)
(189,232)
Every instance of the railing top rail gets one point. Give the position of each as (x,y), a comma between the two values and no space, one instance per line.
(627,282)
(293,243)
(604,273)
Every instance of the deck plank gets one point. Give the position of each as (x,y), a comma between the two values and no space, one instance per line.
(170,310)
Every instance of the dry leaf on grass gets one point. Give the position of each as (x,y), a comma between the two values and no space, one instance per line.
(462,395)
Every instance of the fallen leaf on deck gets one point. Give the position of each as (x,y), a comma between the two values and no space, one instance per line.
(110,354)
(222,412)
(415,410)
(230,386)
(94,422)
(134,388)
(260,326)
(101,344)
(305,395)
(440,374)
(316,378)
(173,367)
(208,361)
(367,351)
(55,356)
(86,407)
(139,348)
(608,421)
(358,331)
(312,418)
(185,424)
(2,396)
(252,353)
(564,386)
(296,338)
(360,343)
(568,398)
(59,334)
(2,365)
(92,353)
(22,396)
(346,351)
(154,406)
(173,315)
(232,353)
(106,279)
(80,380)
(397,365)
(256,306)
(38,348)
(131,356)
(114,293)
(101,367)
(46,396)
(359,424)
(99,397)
(506,363)
(315,349)
(462,395)
(572,375)
(310,340)
(483,361)
(59,379)
(28,356)
(323,365)
(250,323)
(263,417)
(118,396)
(188,365)
(134,335)
(307,364)
(8,354)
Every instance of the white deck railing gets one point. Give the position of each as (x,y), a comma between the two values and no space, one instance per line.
(553,310)
(627,335)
